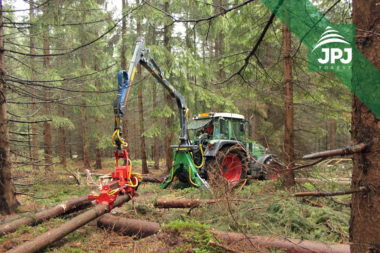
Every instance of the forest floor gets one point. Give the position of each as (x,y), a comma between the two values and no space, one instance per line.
(264,208)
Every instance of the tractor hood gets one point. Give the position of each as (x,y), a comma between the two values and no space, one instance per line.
(199,123)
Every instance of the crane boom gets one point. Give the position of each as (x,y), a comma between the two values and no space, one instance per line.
(142,56)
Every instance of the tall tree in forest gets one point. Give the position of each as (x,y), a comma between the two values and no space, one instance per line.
(62,152)
(365,206)
(156,152)
(141,108)
(332,133)
(47,106)
(32,78)
(169,133)
(98,153)
(289,110)
(8,201)
(86,157)
(124,65)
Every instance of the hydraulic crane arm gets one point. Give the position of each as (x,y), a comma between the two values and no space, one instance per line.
(142,56)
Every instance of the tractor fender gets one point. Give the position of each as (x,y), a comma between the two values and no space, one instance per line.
(264,158)
(216,146)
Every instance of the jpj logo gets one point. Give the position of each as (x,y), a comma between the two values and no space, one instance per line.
(332,52)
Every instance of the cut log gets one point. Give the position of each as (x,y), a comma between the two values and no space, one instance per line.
(178,203)
(130,227)
(290,245)
(45,239)
(151,179)
(340,151)
(33,219)
(191,203)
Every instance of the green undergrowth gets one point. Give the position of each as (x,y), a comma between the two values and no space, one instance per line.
(194,235)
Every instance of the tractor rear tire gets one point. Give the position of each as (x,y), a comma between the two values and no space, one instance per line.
(230,164)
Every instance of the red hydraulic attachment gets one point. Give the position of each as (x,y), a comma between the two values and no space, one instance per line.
(123,181)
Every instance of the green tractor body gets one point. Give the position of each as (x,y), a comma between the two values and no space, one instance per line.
(219,144)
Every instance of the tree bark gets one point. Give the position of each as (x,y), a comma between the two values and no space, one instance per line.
(33,78)
(47,238)
(33,219)
(85,151)
(365,127)
(144,163)
(98,151)
(332,133)
(130,227)
(169,134)
(62,139)
(48,149)
(8,201)
(289,110)
(156,145)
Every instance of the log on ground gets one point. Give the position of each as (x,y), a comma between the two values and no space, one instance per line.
(290,245)
(130,227)
(178,203)
(33,219)
(44,240)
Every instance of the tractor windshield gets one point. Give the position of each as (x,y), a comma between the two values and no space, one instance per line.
(238,129)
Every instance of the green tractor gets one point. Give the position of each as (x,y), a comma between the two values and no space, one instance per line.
(219,145)
(212,144)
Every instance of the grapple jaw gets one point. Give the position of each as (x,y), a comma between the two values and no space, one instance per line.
(124,181)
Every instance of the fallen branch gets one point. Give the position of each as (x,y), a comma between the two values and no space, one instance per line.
(308,165)
(314,180)
(74,176)
(45,239)
(191,203)
(33,219)
(340,151)
(324,194)
(290,245)
(130,227)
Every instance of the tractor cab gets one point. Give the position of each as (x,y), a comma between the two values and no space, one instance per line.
(218,126)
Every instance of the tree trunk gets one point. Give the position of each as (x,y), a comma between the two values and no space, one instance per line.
(86,158)
(144,164)
(156,145)
(62,139)
(32,78)
(8,201)
(130,227)
(33,219)
(47,108)
(124,66)
(288,83)
(98,151)
(365,211)
(169,134)
(332,133)
(47,238)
